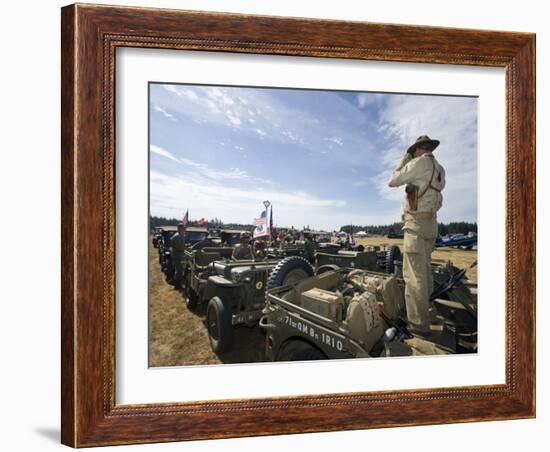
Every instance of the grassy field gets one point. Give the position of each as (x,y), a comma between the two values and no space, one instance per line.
(178,337)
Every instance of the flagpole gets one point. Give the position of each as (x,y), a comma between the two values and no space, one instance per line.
(268,226)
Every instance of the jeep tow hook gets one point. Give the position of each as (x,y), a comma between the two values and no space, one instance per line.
(264,325)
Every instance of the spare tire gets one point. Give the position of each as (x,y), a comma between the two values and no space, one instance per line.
(218,322)
(290,270)
(393,254)
(327,268)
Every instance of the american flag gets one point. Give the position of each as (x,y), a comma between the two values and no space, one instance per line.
(261,225)
(262,219)
(185,218)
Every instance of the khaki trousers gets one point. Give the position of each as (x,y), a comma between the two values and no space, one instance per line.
(178,269)
(418,244)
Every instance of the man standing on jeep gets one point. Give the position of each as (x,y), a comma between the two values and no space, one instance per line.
(177,245)
(243,250)
(424,178)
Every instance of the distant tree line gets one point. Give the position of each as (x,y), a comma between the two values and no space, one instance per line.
(454,227)
(212,223)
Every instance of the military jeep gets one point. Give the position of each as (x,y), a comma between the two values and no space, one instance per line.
(163,246)
(361,314)
(373,258)
(198,267)
(218,245)
(225,237)
(235,290)
(156,236)
(296,248)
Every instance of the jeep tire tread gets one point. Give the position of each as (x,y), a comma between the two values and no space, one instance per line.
(393,254)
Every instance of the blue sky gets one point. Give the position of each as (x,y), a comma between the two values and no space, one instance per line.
(323,158)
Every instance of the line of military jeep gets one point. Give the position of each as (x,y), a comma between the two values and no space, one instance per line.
(346,301)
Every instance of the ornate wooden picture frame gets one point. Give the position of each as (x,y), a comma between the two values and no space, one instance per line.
(90,37)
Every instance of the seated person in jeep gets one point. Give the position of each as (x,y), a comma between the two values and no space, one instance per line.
(243,250)
(260,246)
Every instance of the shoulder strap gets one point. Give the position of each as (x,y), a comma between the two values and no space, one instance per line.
(429,183)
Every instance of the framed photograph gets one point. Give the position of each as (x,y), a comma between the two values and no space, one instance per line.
(282,225)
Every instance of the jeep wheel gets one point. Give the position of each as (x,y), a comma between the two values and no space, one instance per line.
(289,271)
(220,329)
(300,351)
(393,254)
(169,278)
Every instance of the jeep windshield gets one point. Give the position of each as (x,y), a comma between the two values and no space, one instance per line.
(195,236)
(167,235)
(230,239)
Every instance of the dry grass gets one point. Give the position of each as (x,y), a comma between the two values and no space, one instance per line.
(178,337)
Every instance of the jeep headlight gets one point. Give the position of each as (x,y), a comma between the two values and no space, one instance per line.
(237,277)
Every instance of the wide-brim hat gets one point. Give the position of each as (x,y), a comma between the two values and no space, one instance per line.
(421,140)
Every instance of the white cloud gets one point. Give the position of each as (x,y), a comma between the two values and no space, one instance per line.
(219,95)
(260,113)
(209,104)
(205,170)
(367,99)
(233,118)
(335,140)
(181,91)
(171,194)
(170,116)
(163,152)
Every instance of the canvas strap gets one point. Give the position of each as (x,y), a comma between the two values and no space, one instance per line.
(429,183)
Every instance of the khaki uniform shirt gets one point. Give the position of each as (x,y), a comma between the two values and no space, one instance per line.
(177,244)
(242,252)
(418,171)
